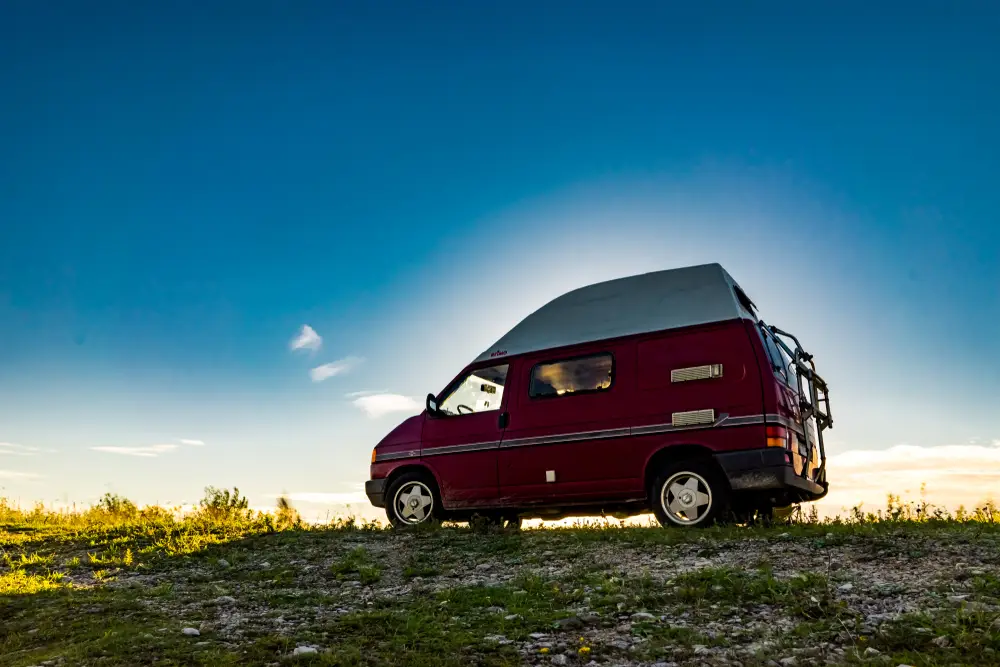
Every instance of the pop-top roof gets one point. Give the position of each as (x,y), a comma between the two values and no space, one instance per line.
(625,306)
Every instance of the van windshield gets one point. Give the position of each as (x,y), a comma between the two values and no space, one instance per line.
(480,390)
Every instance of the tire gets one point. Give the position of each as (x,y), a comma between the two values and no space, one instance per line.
(689,494)
(412,500)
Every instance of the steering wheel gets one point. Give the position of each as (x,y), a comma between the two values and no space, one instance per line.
(459,408)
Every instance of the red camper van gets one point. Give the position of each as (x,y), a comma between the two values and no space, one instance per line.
(663,391)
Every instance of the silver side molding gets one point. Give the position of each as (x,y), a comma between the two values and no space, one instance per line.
(681,421)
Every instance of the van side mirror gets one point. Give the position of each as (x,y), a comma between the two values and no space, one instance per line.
(432,406)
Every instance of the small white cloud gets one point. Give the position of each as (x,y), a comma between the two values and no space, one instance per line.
(16,474)
(193,443)
(366,392)
(17,450)
(338,367)
(150,451)
(376,405)
(307,339)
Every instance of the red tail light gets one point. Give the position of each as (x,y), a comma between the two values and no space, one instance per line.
(777,436)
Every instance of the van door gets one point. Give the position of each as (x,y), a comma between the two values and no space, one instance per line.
(567,421)
(460,442)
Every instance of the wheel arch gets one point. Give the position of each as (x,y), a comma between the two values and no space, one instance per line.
(419,468)
(679,452)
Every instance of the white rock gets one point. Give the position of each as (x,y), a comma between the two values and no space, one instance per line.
(789,661)
(190,632)
(484,566)
(265,565)
(871,652)
(846,588)
(225,600)
(643,616)
(305,650)
(560,660)
(222,562)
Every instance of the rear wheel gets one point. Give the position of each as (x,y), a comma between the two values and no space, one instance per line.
(689,494)
(412,500)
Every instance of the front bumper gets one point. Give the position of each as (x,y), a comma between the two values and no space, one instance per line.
(766,469)
(375,490)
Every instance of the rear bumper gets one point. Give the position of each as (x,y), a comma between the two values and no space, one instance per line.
(766,469)
(375,490)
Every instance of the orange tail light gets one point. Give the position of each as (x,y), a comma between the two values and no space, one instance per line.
(777,436)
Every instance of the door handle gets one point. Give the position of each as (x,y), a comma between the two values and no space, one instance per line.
(503,420)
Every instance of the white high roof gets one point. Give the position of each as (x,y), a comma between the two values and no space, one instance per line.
(625,306)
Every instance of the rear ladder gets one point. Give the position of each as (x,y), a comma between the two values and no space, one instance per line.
(814,394)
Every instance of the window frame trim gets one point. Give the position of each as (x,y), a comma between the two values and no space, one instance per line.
(545,397)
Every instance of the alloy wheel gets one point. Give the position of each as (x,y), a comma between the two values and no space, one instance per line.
(686,498)
(413,503)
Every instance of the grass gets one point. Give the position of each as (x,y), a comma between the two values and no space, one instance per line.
(357,564)
(115,584)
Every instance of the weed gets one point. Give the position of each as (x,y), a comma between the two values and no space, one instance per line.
(223,505)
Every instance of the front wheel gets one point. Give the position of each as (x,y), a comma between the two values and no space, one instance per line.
(412,500)
(689,494)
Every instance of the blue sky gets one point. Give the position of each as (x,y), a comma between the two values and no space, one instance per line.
(183,188)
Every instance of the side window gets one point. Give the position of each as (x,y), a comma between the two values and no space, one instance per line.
(790,373)
(480,390)
(583,374)
(780,361)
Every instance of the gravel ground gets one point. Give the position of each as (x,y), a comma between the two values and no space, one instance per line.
(814,597)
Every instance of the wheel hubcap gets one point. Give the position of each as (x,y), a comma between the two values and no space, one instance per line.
(414,502)
(686,498)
